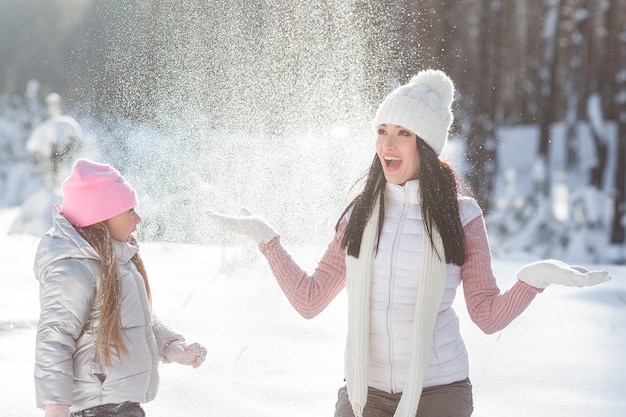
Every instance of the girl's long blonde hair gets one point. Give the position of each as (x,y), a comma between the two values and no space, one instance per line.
(109,334)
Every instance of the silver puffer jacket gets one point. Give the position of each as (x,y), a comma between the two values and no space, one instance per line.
(67,370)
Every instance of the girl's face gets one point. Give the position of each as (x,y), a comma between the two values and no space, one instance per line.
(121,226)
(396,147)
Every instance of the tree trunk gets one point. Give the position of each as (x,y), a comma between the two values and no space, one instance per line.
(618,235)
(548,89)
(481,143)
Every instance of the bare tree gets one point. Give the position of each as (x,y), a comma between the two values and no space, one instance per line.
(481,140)
(548,89)
(595,59)
(617,111)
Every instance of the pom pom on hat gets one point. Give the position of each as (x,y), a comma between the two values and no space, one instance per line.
(423,106)
(95,192)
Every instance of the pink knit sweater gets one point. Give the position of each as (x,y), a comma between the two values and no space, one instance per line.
(490,309)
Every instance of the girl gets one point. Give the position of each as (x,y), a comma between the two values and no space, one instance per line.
(401,249)
(98,342)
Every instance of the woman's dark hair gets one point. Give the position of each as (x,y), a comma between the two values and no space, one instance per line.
(440,205)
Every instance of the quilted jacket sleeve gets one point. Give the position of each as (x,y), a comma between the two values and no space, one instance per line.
(164,336)
(67,293)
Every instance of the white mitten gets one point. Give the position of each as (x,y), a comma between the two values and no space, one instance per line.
(543,273)
(57,410)
(248,224)
(193,354)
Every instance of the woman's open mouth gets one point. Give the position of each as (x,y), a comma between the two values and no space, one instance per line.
(392,162)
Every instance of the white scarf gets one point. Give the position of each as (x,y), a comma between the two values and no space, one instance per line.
(429,295)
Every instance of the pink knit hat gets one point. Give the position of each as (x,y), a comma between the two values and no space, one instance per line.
(95,192)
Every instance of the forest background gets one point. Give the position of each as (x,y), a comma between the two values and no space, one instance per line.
(190,98)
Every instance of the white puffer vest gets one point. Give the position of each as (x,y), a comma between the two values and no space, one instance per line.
(396,276)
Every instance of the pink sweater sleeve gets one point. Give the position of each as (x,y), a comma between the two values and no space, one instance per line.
(488,308)
(308,294)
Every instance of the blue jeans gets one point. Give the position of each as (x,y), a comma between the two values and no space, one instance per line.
(125,409)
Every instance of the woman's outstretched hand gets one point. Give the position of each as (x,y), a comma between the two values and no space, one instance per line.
(543,273)
(247,224)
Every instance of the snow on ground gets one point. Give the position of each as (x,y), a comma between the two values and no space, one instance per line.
(562,357)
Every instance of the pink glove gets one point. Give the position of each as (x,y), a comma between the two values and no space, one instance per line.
(179,352)
(57,410)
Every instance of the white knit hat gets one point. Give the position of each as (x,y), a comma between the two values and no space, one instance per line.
(423,106)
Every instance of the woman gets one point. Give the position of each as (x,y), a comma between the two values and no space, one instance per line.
(98,342)
(401,248)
